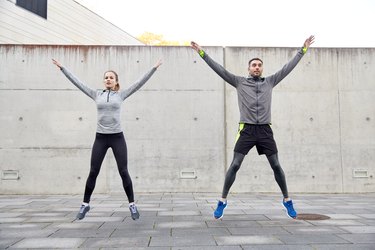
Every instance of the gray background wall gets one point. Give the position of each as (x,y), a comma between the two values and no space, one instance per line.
(180,127)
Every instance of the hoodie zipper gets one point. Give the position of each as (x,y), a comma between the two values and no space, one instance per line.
(257,105)
(109,91)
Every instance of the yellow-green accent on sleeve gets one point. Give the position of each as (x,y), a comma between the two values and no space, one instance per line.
(240,128)
(304,50)
(201,53)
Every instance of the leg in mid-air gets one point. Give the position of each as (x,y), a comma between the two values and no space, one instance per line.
(280,179)
(244,142)
(228,182)
(120,152)
(98,152)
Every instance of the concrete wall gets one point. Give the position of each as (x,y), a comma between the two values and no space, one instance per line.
(67,22)
(180,127)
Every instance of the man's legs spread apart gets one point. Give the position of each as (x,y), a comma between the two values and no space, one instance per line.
(280,179)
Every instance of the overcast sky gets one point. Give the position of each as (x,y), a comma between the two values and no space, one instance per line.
(284,23)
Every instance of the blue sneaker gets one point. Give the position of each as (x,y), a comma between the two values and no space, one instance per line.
(82,212)
(219,212)
(289,209)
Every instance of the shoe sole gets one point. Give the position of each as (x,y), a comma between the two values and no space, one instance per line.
(219,217)
(135,218)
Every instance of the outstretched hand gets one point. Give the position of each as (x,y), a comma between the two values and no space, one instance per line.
(56,63)
(195,46)
(158,63)
(309,41)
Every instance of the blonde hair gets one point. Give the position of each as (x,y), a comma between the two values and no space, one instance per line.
(117,86)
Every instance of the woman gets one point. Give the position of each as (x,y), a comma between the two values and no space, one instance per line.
(109,132)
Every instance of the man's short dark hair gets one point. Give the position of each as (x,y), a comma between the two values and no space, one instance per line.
(256,58)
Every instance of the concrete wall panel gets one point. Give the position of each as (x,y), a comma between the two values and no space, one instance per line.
(47,171)
(47,118)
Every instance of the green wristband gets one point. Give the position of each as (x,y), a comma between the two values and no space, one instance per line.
(304,50)
(201,53)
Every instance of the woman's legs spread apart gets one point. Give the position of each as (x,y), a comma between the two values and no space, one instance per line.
(278,173)
(121,155)
(98,152)
(231,173)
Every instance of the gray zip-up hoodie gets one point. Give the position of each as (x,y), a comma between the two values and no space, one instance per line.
(108,102)
(254,94)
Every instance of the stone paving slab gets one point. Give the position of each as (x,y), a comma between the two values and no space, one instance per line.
(27,233)
(359,238)
(6,242)
(314,230)
(344,247)
(231,223)
(367,222)
(184,221)
(116,242)
(174,241)
(49,243)
(192,232)
(135,248)
(181,224)
(279,247)
(312,239)
(82,233)
(208,248)
(134,233)
(247,240)
(258,230)
(360,230)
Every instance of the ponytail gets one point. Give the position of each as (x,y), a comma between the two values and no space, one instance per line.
(117,86)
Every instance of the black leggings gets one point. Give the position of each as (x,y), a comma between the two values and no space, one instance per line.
(101,144)
(236,164)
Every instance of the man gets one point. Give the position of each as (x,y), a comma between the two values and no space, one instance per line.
(254,98)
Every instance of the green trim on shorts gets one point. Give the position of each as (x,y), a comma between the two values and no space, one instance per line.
(240,128)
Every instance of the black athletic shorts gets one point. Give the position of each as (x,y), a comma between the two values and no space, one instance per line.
(250,135)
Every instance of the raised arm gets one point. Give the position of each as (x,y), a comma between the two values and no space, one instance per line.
(306,45)
(219,69)
(80,85)
(282,73)
(139,83)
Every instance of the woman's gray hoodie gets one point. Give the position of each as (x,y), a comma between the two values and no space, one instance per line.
(108,102)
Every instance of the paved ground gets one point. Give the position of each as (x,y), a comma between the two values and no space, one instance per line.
(184,221)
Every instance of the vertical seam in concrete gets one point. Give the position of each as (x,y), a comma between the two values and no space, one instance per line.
(225,116)
(339,114)
(340,134)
